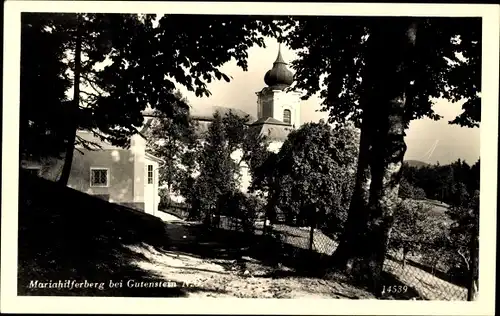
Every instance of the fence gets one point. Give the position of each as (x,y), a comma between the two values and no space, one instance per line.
(435,272)
(430,273)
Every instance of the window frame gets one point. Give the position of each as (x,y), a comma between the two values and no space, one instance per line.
(289,117)
(108,175)
(152,174)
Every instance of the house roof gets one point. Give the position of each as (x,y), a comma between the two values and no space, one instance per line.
(94,141)
(207,113)
(154,158)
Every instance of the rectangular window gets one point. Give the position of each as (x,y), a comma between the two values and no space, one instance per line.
(150,174)
(287,116)
(99,177)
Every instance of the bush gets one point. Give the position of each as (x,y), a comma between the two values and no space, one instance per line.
(243,210)
(416,230)
(311,179)
(410,191)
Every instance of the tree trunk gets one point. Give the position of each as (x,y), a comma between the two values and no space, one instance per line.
(382,148)
(72,119)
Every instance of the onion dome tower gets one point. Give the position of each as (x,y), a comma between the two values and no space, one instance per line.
(274,101)
(279,77)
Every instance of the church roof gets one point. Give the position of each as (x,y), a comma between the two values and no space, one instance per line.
(269,120)
(272,128)
(207,113)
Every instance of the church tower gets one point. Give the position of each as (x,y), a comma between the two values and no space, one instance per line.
(273,101)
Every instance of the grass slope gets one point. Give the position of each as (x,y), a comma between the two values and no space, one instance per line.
(68,235)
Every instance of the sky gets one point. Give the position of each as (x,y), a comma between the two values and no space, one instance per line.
(450,142)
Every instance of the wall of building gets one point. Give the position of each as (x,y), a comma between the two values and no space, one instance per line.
(265,103)
(272,103)
(119,162)
(138,151)
(287,101)
(151,196)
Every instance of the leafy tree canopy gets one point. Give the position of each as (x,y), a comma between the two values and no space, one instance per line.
(132,61)
(312,174)
(446,63)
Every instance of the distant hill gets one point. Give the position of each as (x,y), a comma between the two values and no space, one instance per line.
(416,163)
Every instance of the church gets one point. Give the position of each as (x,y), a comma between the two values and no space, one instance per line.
(278,110)
(130,176)
(278,113)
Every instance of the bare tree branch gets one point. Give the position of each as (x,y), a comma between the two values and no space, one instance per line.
(91,83)
(85,143)
(466,261)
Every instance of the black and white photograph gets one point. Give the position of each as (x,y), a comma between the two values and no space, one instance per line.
(262,151)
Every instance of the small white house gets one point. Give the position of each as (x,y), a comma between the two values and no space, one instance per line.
(124,176)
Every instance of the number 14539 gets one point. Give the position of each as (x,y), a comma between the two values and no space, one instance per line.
(394,289)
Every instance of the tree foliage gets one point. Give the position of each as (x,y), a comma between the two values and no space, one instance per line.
(173,138)
(382,73)
(446,63)
(228,144)
(128,62)
(43,85)
(217,172)
(445,183)
(415,228)
(310,179)
(409,191)
(464,230)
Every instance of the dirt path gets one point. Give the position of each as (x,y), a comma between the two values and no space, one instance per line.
(226,278)
(222,278)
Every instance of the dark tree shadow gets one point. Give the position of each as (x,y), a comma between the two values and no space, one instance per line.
(66,235)
(234,245)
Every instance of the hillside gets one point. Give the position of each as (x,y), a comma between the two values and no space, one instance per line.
(68,235)
(417,163)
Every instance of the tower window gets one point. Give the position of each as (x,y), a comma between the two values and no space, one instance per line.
(287,116)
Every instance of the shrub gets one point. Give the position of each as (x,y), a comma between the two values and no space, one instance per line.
(410,191)
(416,230)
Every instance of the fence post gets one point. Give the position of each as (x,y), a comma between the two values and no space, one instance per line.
(311,237)
(473,284)
(264,226)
